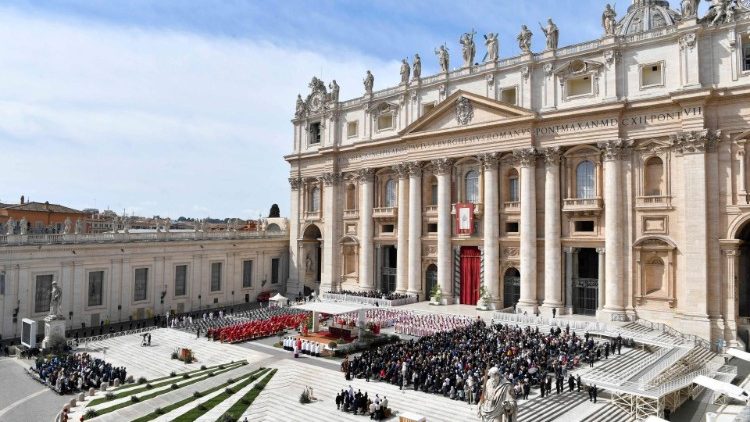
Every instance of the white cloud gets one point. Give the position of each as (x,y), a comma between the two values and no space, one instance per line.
(154,121)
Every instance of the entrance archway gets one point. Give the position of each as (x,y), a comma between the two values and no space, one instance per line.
(586,283)
(430,277)
(311,254)
(511,287)
(471,267)
(743,275)
(388,269)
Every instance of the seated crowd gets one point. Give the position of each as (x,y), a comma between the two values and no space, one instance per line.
(358,403)
(454,363)
(416,324)
(78,372)
(250,330)
(373,295)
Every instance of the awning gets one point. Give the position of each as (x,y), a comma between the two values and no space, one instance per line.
(278,297)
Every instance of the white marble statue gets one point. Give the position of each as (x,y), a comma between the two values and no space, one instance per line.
(609,20)
(125,224)
(9,226)
(24,226)
(79,226)
(552,33)
(443,58)
(55,301)
(524,40)
(468,47)
(721,11)
(115,225)
(492,42)
(167,223)
(405,71)
(369,82)
(689,8)
(498,402)
(308,263)
(300,108)
(334,87)
(68,225)
(416,67)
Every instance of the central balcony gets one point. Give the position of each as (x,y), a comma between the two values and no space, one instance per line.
(583,205)
(653,202)
(512,207)
(351,214)
(385,212)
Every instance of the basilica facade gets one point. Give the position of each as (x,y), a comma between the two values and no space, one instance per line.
(607,178)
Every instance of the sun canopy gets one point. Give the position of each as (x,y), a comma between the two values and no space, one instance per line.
(278,297)
(332,308)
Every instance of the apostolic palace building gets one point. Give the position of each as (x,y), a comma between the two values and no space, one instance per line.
(606,178)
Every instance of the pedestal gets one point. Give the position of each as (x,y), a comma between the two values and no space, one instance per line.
(53,328)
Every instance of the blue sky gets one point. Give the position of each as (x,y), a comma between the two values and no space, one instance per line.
(183,107)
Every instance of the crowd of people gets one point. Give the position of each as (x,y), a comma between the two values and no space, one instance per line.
(415,324)
(454,363)
(372,295)
(258,328)
(306,347)
(76,372)
(358,403)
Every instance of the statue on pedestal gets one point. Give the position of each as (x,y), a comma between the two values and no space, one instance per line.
(9,226)
(79,226)
(24,226)
(492,42)
(334,91)
(167,223)
(67,226)
(416,68)
(552,33)
(443,58)
(524,40)
(55,302)
(498,403)
(609,20)
(405,70)
(369,82)
(299,109)
(689,8)
(468,47)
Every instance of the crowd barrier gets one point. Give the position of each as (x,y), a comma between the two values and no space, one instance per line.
(335,297)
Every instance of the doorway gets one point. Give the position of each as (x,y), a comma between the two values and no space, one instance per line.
(511,287)
(471,267)
(586,283)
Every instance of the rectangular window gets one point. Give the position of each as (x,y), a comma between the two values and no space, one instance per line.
(652,75)
(746,53)
(352,129)
(586,226)
(275,266)
(513,192)
(388,228)
(215,276)
(140,288)
(434,194)
(42,293)
(2,283)
(508,95)
(247,274)
(427,108)
(180,280)
(580,86)
(96,288)
(432,228)
(385,121)
(511,227)
(315,133)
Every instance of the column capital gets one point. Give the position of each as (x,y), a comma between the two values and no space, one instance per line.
(402,169)
(489,161)
(615,149)
(365,175)
(415,169)
(552,155)
(731,252)
(442,165)
(570,249)
(696,142)
(330,179)
(526,157)
(295,182)
(600,251)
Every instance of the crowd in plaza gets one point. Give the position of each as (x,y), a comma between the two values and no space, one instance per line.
(258,328)
(454,363)
(306,347)
(372,295)
(358,403)
(76,372)
(416,324)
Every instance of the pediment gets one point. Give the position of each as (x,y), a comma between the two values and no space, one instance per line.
(463,110)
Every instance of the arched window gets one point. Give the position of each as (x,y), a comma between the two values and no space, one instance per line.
(513,186)
(433,190)
(654,179)
(351,197)
(390,193)
(472,186)
(315,199)
(585,180)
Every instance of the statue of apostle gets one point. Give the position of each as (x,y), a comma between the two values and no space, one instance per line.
(524,40)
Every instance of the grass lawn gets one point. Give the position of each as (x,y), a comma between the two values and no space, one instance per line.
(239,408)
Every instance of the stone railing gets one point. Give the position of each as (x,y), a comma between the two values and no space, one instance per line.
(582,204)
(385,212)
(351,214)
(578,48)
(653,201)
(52,239)
(431,210)
(513,206)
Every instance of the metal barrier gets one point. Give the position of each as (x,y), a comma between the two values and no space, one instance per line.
(107,336)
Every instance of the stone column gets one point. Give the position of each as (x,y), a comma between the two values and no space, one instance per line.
(731,254)
(694,291)
(552,232)
(602,279)
(366,229)
(527,159)
(443,169)
(415,228)
(742,191)
(294,284)
(402,257)
(569,252)
(331,215)
(613,151)
(491,228)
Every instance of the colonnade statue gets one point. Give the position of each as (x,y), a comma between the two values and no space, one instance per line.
(55,302)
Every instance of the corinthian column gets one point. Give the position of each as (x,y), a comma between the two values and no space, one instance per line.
(614,285)
(491,230)
(415,228)
(552,245)
(331,214)
(402,258)
(443,169)
(366,177)
(527,159)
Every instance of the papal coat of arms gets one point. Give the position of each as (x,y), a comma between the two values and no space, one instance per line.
(464,111)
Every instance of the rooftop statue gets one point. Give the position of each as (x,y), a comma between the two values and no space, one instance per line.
(689,8)
(468,48)
(493,45)
(443,58)
(334,87)
(369,82)
(552,33)
(524,40)
(300,108)
(416,67)
(405,71)
(609,22)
